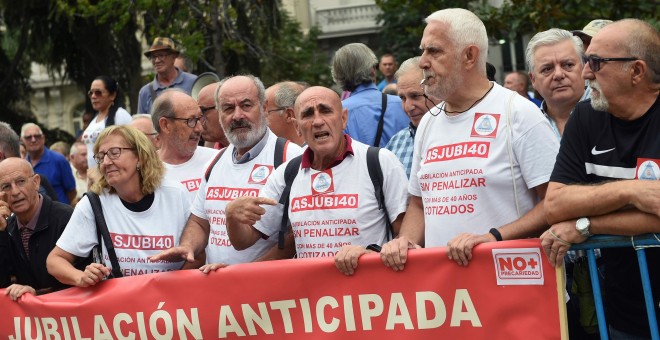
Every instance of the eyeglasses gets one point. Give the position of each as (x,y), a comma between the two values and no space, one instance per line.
(160,56)
(112,153)
(276,109)
(594,62)
(33,137)
(96,92)
(192,121)
(206,108)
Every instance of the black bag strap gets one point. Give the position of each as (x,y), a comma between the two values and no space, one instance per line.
(376,174)
(103,232)
(215,160)
(381,121)
(280,151)
(290,173)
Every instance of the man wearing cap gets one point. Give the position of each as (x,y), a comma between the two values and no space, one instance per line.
(163,53)
(590,30)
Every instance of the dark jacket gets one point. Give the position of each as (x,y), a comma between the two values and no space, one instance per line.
(32,272)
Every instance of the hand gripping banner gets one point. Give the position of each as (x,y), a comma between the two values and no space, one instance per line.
(508,291)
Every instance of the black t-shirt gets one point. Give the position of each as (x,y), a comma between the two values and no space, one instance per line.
(598,147)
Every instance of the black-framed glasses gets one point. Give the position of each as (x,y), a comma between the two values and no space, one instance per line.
(594,62)
(37,136)
(112,153)
(206,108)
(276,109)
(192,121)
(96,92)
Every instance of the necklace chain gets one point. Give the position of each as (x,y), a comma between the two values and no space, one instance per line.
(466,110)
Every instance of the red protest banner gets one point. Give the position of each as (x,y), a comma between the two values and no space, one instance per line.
(308,298)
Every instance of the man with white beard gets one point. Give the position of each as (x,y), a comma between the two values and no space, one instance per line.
(240,170)
(482,158)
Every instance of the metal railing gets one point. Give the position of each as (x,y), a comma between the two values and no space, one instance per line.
(639,243)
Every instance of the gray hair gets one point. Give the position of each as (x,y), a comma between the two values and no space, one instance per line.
(644,43)
(407,66)
(10,143)
(74,147)
(141,116)
(353,65)
(286,94)
(163,106)
(465,28)
(550,37)
(29,125)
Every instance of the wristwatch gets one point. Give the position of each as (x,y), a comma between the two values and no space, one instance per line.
(582,225)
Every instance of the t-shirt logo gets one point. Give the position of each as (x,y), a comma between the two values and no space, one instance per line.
(648,169)
(322,183)
(260,174)
(485,125)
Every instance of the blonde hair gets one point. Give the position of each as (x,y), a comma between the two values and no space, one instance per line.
(151,169)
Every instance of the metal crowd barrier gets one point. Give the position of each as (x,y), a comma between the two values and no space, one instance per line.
(640,243)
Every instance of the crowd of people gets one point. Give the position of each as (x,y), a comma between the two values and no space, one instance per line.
(454,159)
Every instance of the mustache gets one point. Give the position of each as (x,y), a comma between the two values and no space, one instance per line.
(237,124)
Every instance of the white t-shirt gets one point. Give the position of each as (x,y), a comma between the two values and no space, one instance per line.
(462,171)
(227,182)
(191,172)
(135,235)
(338,206)
(93,130)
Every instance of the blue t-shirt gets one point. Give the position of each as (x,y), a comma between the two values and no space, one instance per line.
(364,109)
(182,81)
(56,168)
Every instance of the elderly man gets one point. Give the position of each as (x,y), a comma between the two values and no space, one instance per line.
(143,122)
(78,160)
(328,191)
(240,170)
(163,53)
(178,121)
(554,61)
(373,117)
(416,104)
(49,164)
(519,82)
(606,177)
(482,157)
(387,67)
(212,132)
(279,110)
(27,236)
(588,32)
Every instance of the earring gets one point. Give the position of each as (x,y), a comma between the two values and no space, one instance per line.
(138,168)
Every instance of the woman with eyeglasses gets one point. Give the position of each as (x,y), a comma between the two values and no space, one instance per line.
(107,101)
(145,214)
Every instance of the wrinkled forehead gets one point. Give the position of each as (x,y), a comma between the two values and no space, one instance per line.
(237,90)
(15,167)
(316,97)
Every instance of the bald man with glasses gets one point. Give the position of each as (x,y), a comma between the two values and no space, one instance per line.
(179,123)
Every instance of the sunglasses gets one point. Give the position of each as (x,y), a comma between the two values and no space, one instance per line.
(594,62)
(33,137)
(95,92)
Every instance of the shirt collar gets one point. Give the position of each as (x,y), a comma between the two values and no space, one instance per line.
(252,153)
(177,80)
(32,224)
(308,155)
(364,87)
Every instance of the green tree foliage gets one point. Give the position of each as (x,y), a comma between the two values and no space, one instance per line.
(403,24)
(82,39)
